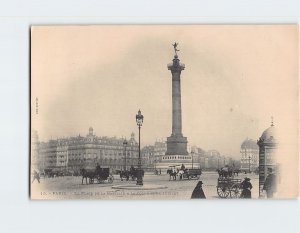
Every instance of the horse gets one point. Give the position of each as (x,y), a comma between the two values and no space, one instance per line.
(180,173)
(129,174)
(133,173)
(172,174)
(124,174)
(230,172)
(222,173)
(87,174)
(236,172)
(227,172)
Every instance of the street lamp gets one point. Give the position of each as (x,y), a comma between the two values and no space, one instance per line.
(139,121)
(199,161)
(249,164)
(192,159)
(125,144)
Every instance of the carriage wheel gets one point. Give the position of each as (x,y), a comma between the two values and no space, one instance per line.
(223,192)
(235,191)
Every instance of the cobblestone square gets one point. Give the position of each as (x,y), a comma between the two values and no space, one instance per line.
(71,188)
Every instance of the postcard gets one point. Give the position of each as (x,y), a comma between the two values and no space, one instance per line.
(146,112)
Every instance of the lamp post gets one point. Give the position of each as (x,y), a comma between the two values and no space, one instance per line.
(139,121)
(192,153)
(249,164)
(125,144)
(199,160)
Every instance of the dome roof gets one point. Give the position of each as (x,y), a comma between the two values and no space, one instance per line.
(268,136)
(269,133)
(249,144)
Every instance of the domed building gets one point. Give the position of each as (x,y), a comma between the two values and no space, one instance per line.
(267,154)
(249,155)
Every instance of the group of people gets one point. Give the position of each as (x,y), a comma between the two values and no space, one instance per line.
(269,187)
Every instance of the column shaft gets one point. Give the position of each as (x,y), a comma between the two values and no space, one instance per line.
(176,105)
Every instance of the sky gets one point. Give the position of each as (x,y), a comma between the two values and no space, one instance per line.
(236,77)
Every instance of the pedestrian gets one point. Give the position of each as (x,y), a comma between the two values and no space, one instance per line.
(246,186)
(182,167)
(198,191)
(36,176)
(270,184)
(98,169)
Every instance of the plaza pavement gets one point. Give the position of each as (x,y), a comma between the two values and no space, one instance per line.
(71,188)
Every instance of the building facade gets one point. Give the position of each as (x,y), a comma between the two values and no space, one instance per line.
(34,150)
(147,155)
(249,155)
(78,152)
(196,158)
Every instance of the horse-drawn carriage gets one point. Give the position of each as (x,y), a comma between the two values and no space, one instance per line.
(52,173)
(129,174)
(229,187)
(99,175)
(193,173)
(228,171)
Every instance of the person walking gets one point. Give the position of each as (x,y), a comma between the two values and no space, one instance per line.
(36,176)
(270,183)
(198,191)
(246,186)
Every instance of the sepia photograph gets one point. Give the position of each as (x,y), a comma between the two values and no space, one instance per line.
(164,112)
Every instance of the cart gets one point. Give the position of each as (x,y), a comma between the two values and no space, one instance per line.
(229,187)
(189,174)
(101,176)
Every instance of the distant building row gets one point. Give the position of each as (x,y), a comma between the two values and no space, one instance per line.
(198,158)
(77,152)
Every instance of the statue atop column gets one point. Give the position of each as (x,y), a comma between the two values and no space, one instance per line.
(175,48)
